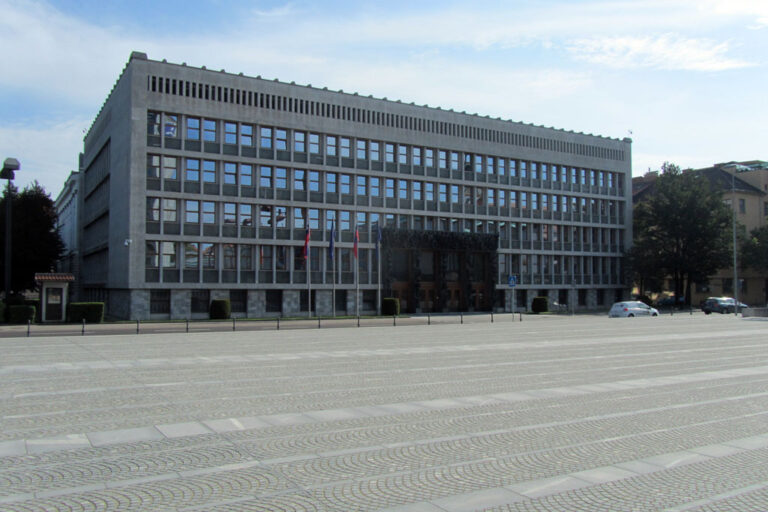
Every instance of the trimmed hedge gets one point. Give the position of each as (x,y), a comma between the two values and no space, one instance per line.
(91,312)
(2,311)
(20,314)
(220,309)
(540,305)
(390,306)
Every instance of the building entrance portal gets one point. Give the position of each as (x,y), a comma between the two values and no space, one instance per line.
(436,271)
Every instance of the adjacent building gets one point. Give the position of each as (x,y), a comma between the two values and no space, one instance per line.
(288,199)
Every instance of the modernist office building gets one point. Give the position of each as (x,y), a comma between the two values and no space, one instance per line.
(200,184)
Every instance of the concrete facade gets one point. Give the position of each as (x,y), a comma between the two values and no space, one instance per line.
(199,180)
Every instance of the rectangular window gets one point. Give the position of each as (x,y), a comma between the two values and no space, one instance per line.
(209,130)
(153,123)
(192,171)
(246,257)
(281,178)
(208,253)
(416,156)
(170,210)
(442,158)
(443,192)
(246,175)
(416,186)
(192,212)
(390,188)
(362,153)
(314,218)
(265,177)
(429,157)
(171,126)
(230,213)
(200,301)
(265,140)
(191,255)
(330,182)
(209,171)
(346,184)
(193,128)
(229,257)
(281,257)
(314,181)
(429,191)
(299,179)
(374,184)
(246,135)
(281,139)
(402,189)
(454,161)
(375,151)
(246,215)
(169,255)
(230,173)
(402,154)
(169,167)
(454,194)
(265,257)
(230,133)
(153,209)
(209,212)
(298,218)
(346,147)
(742,206)
(314,144)
(513,168)
(389,152)
(299,142)
(544,172)
(490,165)
(362,189)
(153,166)
(330,145)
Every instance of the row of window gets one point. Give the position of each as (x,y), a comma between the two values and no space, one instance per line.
(282,178)
(246,214)
(281,139)
(360,115)
(245,257)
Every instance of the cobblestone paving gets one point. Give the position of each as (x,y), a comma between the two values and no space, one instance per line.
(554,413)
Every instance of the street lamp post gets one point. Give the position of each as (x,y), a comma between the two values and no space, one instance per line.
(9,166)
(733,227)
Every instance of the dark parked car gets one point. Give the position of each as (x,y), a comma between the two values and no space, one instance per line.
(720,305)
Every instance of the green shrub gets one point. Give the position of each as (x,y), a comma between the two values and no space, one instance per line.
(220,309)
(540,305)
(91,312)
(390,306)
(2,311)
(20,314)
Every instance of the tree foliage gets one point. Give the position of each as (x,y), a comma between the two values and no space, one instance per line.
(682,231)
(35,243)
(754,250)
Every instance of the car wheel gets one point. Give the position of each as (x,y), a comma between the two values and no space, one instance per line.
(654,314)
(707,312)
(631,315)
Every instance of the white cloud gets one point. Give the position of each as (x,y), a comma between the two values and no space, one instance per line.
(667,51)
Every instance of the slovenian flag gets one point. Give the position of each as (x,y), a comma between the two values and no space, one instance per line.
(378,240)
(357,241)
(306,243)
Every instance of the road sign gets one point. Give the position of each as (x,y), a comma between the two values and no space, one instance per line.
(512,281)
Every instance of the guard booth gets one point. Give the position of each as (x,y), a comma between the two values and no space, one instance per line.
(54,295)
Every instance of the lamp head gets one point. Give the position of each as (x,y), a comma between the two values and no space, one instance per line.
(9,165)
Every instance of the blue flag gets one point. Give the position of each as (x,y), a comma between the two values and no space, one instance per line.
(378,239)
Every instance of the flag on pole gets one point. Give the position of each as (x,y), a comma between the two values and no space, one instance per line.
(378,240)
(333,239)
(306,243)
(357,241)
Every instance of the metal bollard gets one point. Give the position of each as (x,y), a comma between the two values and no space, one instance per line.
(29,326)
(358,320)
(137,326)
(278,323)
(318,322)
(394,320)
(233,324)
(491,316)
(187,321)
(461,316)
(429,319)
(82,333)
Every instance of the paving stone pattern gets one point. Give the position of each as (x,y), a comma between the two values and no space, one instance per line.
(554,413)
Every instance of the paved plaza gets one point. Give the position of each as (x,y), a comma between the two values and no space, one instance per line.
(554,413)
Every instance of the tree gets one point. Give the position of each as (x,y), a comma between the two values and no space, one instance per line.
(35,243)
(682,230)
(754,250)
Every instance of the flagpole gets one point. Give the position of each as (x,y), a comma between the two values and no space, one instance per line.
(378,265)
(333,266)
(309,281)
(357,272)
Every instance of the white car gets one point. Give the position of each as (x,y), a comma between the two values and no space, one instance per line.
(632,308)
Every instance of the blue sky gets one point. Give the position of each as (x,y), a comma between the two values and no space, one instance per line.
(684,79)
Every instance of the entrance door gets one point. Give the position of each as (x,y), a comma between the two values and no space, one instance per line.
(53,306)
